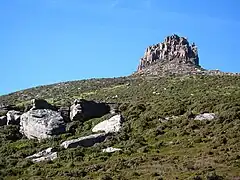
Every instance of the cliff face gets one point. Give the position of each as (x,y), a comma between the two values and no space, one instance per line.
(174,50)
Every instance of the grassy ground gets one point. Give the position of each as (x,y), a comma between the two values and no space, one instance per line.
(180,148)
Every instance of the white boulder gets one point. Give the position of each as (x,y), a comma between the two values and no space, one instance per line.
(41,124)
(205,116)
(111,125)
(111,150)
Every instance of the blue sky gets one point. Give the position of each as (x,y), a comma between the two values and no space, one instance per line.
(48,41)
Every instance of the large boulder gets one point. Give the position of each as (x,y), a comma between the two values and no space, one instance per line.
(111,125)
(13,117)
(83,110)
(3,120)
(48,154)
(86,141)
(41,124)
(205,116)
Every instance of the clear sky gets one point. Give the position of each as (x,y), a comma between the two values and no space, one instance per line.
(48,41)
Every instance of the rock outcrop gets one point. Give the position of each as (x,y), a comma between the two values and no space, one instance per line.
(173,48)
(86,141)
(174,56)
(83,110)
(41,124)
(48,154)
(13,117)
(111,125)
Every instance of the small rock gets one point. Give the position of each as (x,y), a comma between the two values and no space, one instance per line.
(111,150)
(205,116)
(3,120)
(45,155)
(13,117)
(86,141)
(111,125)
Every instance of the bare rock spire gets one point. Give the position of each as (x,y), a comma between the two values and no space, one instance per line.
(173,50)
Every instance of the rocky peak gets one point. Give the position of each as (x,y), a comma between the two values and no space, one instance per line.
(174,49)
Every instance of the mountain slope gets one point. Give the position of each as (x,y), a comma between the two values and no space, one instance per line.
(164,134)
(159,139)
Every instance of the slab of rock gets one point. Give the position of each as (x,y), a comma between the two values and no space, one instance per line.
(41,124)
(3,120)
(86,141)
(13,117)
(45,155)
(111,150)
(83,110)
(205,116)
(111,125)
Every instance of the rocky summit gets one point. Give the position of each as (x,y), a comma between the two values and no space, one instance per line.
(175,55)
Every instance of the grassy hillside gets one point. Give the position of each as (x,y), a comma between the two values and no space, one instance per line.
(153,147)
